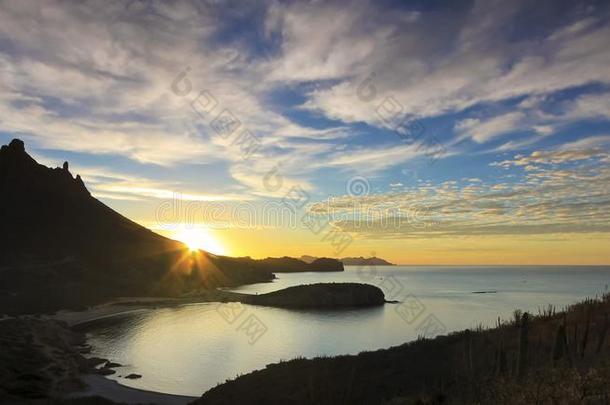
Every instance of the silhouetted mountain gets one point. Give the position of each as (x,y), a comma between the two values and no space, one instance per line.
(365,261)
(307,258)
(291,265)
(354,261)
(62,248)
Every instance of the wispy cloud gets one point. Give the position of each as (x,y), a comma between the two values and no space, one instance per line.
(566,192)
(482,131)
(95,78)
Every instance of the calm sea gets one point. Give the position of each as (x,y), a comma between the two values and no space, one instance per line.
(189,349)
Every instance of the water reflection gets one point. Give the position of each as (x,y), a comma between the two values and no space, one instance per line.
(189,349)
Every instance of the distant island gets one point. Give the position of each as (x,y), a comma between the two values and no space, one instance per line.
(291,265)
(354,261)
(320,295)
(64,249)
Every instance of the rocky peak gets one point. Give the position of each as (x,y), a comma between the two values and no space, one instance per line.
(18,170)
(15,148)
(17,145)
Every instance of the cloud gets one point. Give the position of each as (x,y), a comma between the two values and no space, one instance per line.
(555,157)
(107,183)
(473,60)
(590,106)
(482,131)
(374,159)
(96,78)
(588,143)
(321,42)
(570,196)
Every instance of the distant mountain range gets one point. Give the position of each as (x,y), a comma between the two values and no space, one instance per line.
(62,248)
(354,261)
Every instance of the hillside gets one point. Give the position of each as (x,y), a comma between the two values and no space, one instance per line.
(553,358)
(365,261)
(62,248)
(353,261)
(291,265)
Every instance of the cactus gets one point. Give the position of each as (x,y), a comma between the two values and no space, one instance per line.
(602,335)
(585,337)
(561,345)
(503,360)
(574,348)
(468,352)
(501,365)
(523,345)
(517,314)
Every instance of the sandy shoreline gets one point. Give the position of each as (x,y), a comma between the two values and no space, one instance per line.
(114,390)
(98,385)
(136,304)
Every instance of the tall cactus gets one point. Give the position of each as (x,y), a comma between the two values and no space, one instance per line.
(574,346)
(602,335)
(560,348)
(585,337)
(501,360)
(523,345)
(468,352)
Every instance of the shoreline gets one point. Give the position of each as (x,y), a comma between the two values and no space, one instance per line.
(275,299)
(98,385)
(122,393)
(525,359)
(126,305)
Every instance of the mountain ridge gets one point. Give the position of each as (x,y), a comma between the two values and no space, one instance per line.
(354,261)
(61,248)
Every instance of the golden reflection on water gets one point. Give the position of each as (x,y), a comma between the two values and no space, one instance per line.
(190,349)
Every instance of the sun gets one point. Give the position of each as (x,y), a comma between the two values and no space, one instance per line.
(200,238)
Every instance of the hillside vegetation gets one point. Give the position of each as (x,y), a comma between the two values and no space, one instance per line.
(555,357)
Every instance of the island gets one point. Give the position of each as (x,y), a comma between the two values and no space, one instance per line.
(365,261)
(292,265)
(353,261)
(320,295)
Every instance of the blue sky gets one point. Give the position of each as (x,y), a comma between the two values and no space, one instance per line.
(511,96)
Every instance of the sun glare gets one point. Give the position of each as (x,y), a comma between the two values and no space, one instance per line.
(200,238)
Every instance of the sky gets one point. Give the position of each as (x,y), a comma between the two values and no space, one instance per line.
(423,132)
